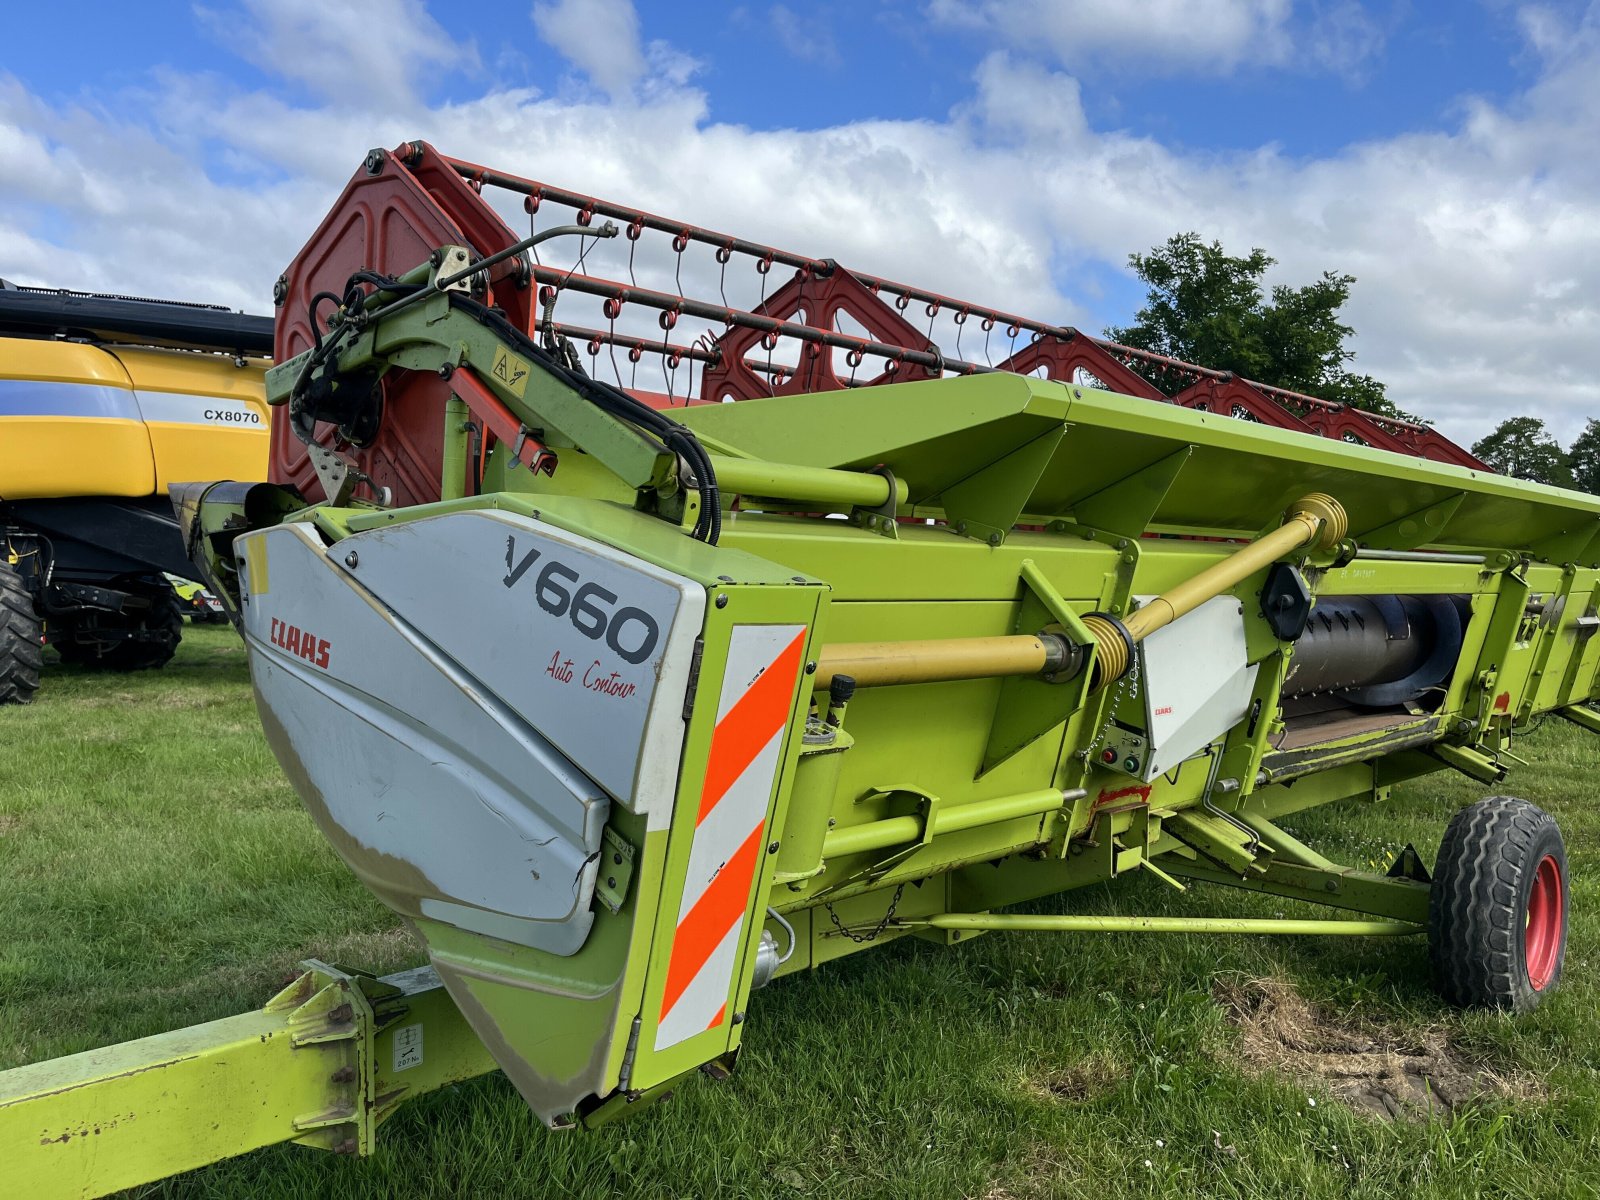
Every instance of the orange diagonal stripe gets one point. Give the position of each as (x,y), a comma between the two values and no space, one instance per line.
(708,922)
(749,725)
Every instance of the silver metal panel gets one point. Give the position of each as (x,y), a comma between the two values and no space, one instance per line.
(1196,682)
(590,646)
(442,799)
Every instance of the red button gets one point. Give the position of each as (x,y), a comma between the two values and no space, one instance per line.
(1109,756)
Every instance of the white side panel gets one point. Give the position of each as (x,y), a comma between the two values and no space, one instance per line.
(590,646)
(1195,681)
(181,408)
(436,794)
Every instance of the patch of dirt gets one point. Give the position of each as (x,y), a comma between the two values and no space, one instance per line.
(10,823)
(1079,1083)
(1381,1071)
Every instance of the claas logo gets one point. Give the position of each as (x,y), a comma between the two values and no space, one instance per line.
(298,642)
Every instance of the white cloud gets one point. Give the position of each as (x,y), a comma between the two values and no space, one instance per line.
(1342,36)
(1474,246)
(601,39)
(808,39)
(1193,36)
(368,55)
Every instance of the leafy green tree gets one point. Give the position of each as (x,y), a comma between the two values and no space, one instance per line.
(1208,307)
(1583,459)
(1522,448)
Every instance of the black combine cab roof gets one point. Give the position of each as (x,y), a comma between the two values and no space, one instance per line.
(130,320)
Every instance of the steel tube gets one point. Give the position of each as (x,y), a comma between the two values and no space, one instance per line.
(821,485)
(897,831)
(453,464)
(723,241)
(1052,923)
(1419,556)
(934,301)
(880,664)
(671,302)
(626,341)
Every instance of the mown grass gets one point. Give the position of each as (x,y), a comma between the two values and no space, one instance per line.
(159,872)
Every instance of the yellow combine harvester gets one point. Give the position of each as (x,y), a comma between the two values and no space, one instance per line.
(104,402)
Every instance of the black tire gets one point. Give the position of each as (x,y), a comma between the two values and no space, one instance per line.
(21,651)
(161,625)
(1497,911)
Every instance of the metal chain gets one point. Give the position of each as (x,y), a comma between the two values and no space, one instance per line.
(877,929)
(1127,688)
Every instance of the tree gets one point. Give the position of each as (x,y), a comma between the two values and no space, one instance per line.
(1522,448)
(1583,460)
(1206,306)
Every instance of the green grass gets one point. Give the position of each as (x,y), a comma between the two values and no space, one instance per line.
(159,872)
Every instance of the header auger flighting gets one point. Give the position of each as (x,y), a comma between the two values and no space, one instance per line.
(630,705)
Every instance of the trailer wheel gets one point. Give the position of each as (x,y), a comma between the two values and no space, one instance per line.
(161,626)
(1497,912)
(21,652)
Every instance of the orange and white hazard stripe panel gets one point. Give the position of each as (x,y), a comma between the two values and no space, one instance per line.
(763,663)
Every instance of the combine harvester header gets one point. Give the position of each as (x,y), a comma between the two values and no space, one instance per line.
(630,704)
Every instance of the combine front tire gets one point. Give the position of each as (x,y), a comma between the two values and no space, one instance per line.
(21,654)
(1497,915)
(104,644)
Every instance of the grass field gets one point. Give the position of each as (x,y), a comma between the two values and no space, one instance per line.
(159,872)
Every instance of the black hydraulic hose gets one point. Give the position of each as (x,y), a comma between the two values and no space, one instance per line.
(676,438)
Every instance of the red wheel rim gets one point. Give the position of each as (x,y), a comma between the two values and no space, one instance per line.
(1541,940)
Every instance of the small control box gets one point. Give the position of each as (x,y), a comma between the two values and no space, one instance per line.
(1124,750)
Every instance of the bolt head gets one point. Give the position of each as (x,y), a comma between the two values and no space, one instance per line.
(351,559)
(722,599)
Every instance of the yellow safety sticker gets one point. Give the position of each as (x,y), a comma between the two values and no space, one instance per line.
(510,370)
(255,557)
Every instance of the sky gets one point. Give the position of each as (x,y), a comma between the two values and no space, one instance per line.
(1013,152)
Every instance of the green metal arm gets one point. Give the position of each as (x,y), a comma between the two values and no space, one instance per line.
(323,1063)
(433,336)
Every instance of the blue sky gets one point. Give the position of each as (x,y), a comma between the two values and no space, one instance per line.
(1013,151)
